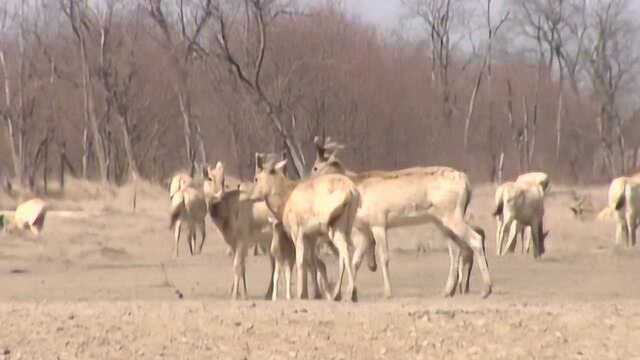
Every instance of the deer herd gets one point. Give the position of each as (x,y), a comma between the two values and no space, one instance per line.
(353,212)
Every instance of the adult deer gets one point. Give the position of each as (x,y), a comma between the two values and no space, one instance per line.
(523,203)
(309,210)
(418,195)
(246,223)
(531,179)
(624,202)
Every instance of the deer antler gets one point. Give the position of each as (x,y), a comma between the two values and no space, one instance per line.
(333,146)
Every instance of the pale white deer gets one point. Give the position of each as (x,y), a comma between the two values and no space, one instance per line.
(522,203)
(418,195)
(532,179)
(29,215)
(624,203)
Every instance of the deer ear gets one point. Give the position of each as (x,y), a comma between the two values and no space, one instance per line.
(320,151)
(259,161)
(281,166)
(218,174)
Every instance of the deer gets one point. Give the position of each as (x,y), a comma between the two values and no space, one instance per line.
(533,178)
(310,210)
(624,203)
(284,254)
(523,203)
(29,215)
(246,223)
(188,207)
(178,181)
(418,195)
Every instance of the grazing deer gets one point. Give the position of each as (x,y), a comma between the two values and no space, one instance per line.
(624,202)
(29,215)
(418,195)
(532,179)
(309,210)
(188,207)
(244,224)
(522,203)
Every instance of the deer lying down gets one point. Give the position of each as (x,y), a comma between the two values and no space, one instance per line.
(418,195)
(624,202)
(188,207)
(523,203)
(244,224)
(29,215)
(310,210)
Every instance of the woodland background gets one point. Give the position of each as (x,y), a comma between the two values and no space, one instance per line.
(120,89)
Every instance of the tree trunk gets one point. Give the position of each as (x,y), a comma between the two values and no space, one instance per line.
(134,171)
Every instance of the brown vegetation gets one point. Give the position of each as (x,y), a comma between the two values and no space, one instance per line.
(128,89)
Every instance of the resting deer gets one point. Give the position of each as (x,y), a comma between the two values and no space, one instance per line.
(188,207)
(532,179)
(309,210)
(243,224)
(624,202)
(524,204)
(418,195)
(29,215)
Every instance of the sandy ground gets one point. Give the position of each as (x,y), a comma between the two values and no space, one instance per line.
(102,285)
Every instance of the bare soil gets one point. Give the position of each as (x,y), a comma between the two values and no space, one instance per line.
(101,284)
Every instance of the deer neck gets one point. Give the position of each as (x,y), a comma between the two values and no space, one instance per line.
(279,197)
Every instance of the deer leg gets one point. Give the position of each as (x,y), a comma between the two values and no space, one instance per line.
(301,283)
(203,230)
(622,234)
(466,237)
(313,269)
(176,233)
(513,234)
(631,228)
(499,225)
(340,240)
(276,278)
(506,227)
(272,263)
(287,278)
(380,236)
(536,239)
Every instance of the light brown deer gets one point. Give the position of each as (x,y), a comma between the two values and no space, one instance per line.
(418,195)
(243,224)
(310,210)
(188,207)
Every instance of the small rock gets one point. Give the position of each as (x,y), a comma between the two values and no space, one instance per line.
(383,351)
(6,352)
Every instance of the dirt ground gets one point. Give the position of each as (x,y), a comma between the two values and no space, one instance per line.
(101,284)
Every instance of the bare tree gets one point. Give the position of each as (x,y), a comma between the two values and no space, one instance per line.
(611,63)
(182,47)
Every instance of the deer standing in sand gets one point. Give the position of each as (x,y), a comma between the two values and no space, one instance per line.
(418,195)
